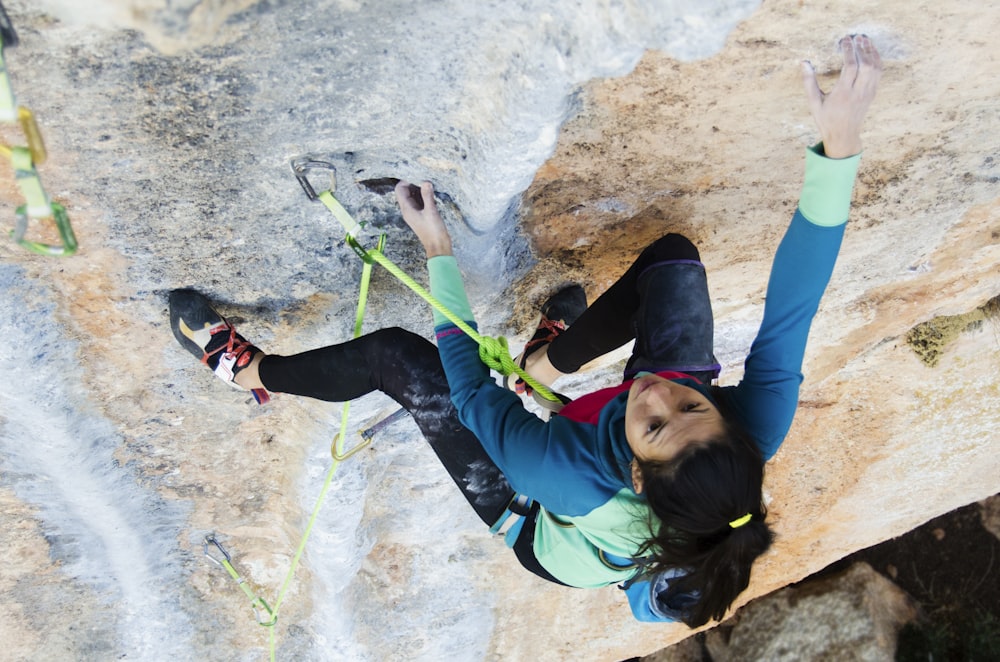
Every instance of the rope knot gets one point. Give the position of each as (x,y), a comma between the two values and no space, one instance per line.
(495,353)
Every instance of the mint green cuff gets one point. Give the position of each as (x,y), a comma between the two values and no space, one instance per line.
(447,287)
(827,189)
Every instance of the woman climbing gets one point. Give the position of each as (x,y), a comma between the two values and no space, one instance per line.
(654,484)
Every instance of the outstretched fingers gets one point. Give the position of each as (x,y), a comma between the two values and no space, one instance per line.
(849,73)
(840,113)
(869,64)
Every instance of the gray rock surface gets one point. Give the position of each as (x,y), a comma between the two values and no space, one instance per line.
(852,615)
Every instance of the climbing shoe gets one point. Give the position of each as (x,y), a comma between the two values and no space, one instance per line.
(211,339)
(560,311)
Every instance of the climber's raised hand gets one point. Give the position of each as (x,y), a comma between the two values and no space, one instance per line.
(840,112)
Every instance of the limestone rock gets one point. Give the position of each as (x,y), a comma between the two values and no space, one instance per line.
(689,147)
(170,126)
(854,615)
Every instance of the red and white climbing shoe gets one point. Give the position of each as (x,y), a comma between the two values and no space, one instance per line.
(211,339)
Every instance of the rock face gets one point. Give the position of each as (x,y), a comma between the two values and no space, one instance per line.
(170,126)
(852,615)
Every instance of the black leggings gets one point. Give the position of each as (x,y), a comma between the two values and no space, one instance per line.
(408,369)
(662,303)
(660,288)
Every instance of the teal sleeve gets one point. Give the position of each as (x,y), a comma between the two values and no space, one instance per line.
(827,189)
(447,287)
(767,397)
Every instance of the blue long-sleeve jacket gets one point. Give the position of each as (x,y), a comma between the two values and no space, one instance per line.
(592,523)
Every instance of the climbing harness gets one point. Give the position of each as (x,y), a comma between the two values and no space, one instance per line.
(38,205)
(259,605)
(512,519)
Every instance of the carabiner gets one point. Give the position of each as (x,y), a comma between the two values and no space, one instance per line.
(61,218)
(340,457)
(210,540)
(358,249)
(301,167)
(267,609)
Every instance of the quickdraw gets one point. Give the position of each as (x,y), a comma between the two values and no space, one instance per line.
(217,554)
(37,205)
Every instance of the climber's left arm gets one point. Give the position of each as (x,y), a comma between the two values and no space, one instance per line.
(767,397)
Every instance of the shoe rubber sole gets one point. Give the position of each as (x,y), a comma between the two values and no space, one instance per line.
(191,319)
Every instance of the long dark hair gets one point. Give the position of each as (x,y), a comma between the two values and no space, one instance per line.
(695,496)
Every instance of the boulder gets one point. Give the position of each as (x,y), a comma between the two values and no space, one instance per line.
(853,615)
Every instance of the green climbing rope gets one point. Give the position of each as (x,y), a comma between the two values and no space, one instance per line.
(494,352)
(339,455)
(337,449)
(267,615)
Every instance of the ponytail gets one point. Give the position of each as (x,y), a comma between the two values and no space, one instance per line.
(701,500)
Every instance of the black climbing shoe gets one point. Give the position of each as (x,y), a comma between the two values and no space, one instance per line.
(210,338)
(562,309)
(565,306)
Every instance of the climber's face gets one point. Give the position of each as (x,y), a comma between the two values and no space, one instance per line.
(663,417)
